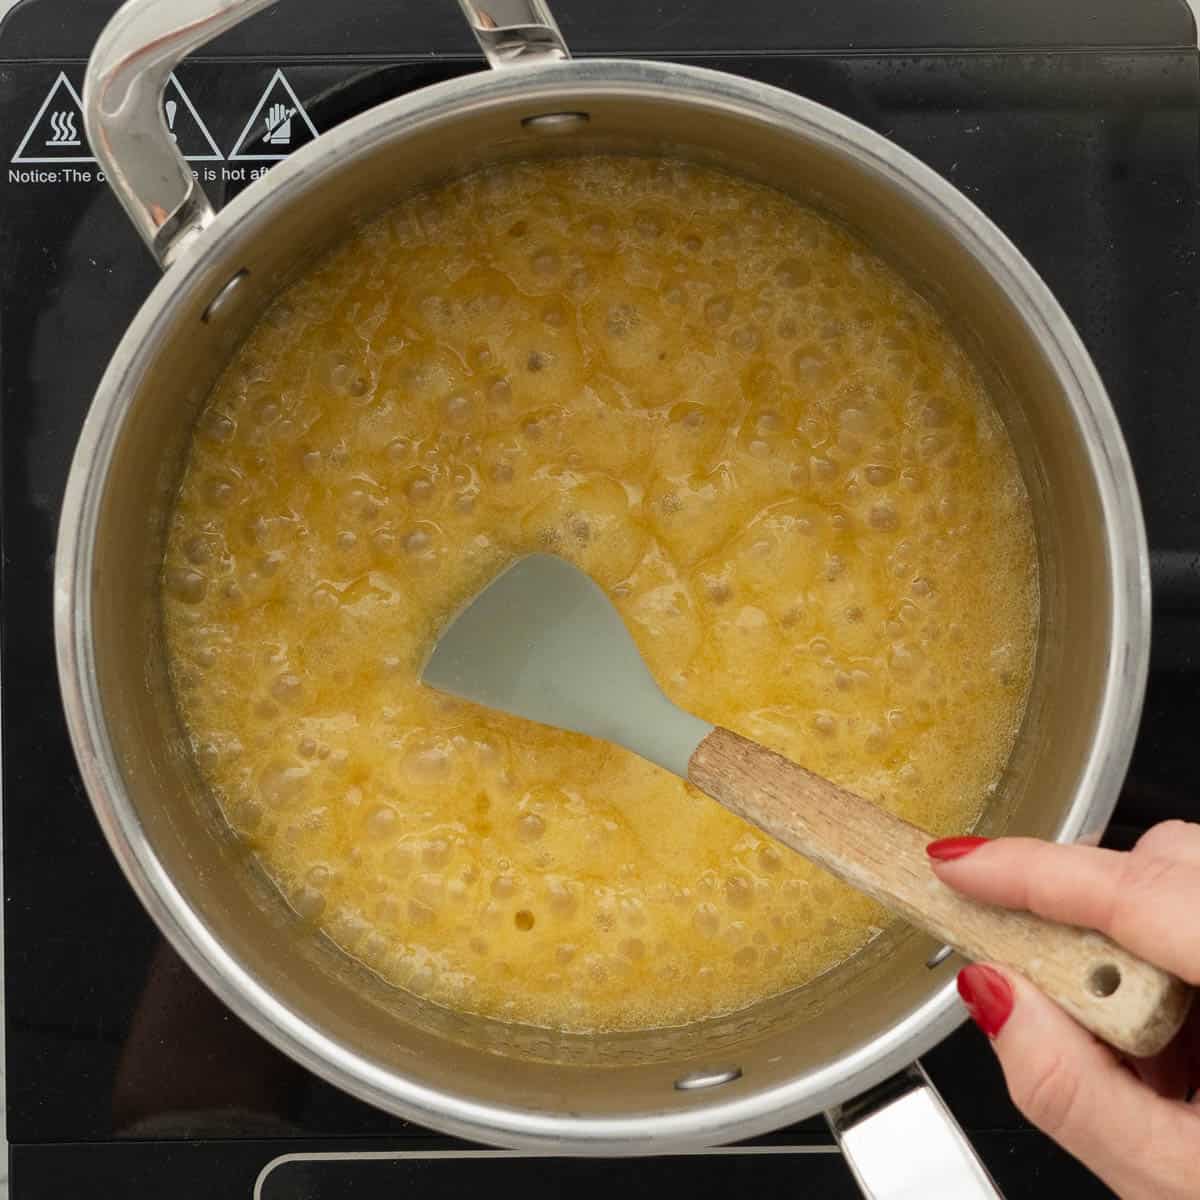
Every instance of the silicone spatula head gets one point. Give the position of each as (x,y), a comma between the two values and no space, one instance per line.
(542,641)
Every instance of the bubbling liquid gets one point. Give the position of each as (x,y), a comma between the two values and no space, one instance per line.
(746,428)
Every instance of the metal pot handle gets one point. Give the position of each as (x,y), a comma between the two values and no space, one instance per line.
(122,112)
(147,39)
(900,1141)
(511,32)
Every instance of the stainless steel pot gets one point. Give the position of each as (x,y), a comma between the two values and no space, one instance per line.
(657,1091)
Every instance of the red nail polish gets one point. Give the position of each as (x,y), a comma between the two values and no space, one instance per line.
(945,849)
(988,997)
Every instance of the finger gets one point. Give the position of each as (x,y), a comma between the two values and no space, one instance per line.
(1076,1090)
(1144,900)
(1179,840)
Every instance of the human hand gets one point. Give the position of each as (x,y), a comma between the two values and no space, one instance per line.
(1135,1122)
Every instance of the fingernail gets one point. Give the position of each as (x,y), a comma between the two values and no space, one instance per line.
(988,997)
(944,849)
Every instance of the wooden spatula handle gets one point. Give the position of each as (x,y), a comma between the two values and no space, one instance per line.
(1129,1003)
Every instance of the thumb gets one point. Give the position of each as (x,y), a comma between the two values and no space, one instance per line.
(1078,1091)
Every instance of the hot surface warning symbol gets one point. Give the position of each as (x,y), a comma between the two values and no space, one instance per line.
(55,135)
(184,123)
(277,126)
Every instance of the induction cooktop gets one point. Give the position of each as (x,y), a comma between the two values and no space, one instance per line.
(1073,123)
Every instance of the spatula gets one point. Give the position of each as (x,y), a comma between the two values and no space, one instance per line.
(542,641)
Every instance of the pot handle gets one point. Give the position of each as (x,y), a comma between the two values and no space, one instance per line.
(147,39)
(515,32)
(900,1141)
(123,113)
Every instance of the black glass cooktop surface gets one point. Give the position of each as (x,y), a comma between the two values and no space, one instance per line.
(1073,123)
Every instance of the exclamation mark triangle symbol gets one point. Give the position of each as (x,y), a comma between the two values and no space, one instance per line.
(186,126)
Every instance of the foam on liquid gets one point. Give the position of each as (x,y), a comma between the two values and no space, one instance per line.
(747,428)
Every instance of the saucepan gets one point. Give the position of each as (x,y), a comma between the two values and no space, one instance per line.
(845,1044)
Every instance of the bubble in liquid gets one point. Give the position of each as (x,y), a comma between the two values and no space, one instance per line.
(905,658)
(436,852)
(219,491)
(287,688)
(428,764)
(769,859)
(622,319)
(883,516)
(419,488)
(384,541)
(793,273)
(347,539)
(216,426)
(430,888)
(633,949)
(739,891)
(530,827)
(878,475)
(718,309)
(458,409)
(935,414)
(382,822)
(565,953)
(648,225)
(747,339)
(751,619)
(417,541)
(267,413)
(279,783)
(308,902)
(718,591)
(185,584)
(561,898)
(196,551)
(399,860)
(706,918)
(825,724)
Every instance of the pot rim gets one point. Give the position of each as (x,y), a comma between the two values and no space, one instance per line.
(232,980)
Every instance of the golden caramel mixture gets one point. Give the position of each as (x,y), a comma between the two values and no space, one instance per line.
(747,428)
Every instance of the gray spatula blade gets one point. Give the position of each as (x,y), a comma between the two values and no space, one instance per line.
(543,641)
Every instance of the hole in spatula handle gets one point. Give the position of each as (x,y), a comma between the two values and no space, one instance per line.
(1103,980)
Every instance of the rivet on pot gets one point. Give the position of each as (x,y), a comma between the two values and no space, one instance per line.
(224,298)
(695,1080)
(938,957)
(555,123)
